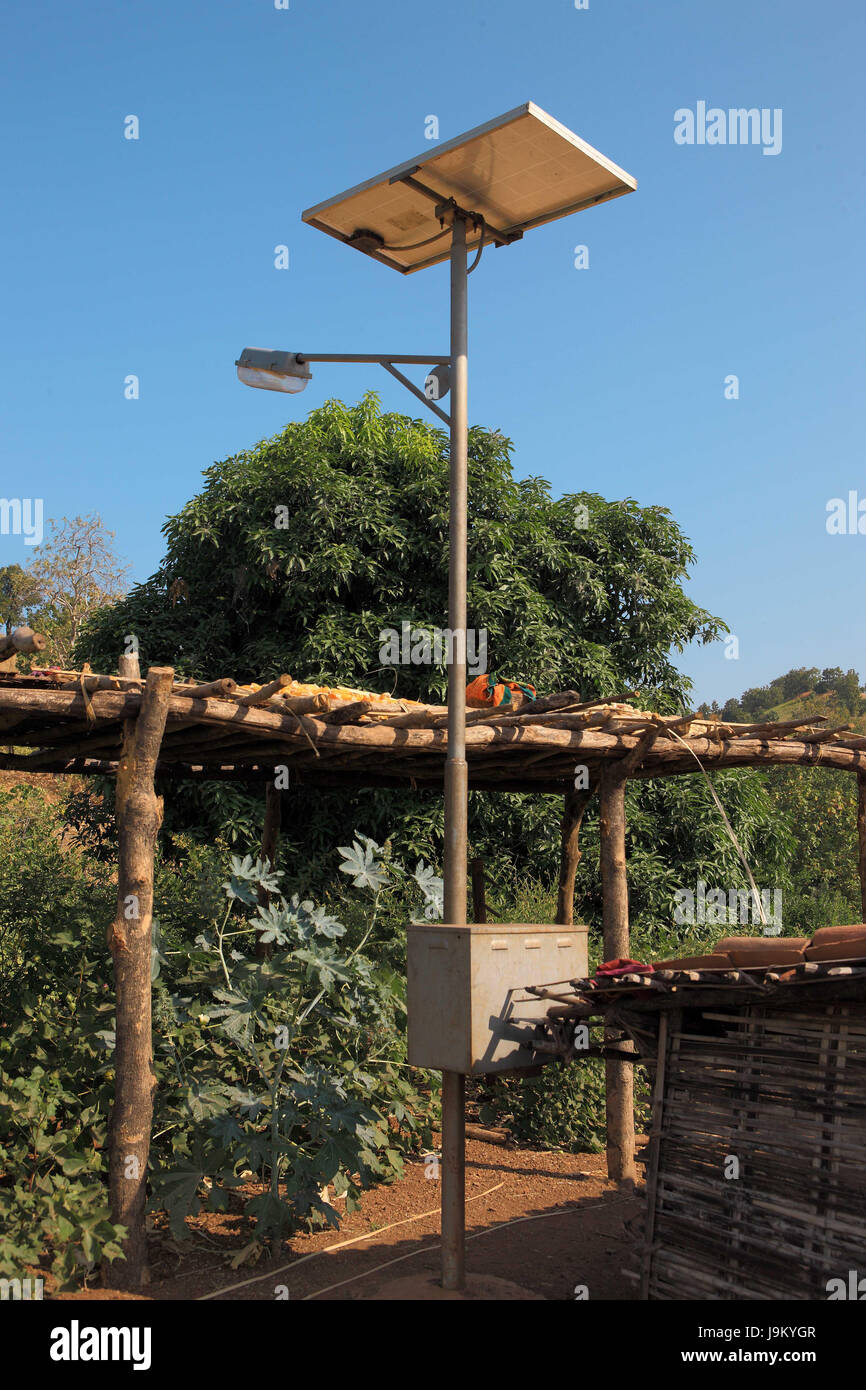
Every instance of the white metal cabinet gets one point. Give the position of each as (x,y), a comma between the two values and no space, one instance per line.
(465,984)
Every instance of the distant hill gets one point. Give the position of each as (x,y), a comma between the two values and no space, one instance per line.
(805,692)
(810,704)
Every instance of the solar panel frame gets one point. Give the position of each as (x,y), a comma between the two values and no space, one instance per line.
(530,159)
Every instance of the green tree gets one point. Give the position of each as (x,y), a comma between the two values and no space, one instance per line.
(820,806)
(299,553)
(798,681)
(20,594)
(756,702)
(848,692)
(829,680)
(733,712)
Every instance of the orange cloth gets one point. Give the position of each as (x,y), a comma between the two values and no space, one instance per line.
(489,690)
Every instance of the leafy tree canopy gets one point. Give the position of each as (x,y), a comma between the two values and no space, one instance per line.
(817,806)
(297,554)
(20,594)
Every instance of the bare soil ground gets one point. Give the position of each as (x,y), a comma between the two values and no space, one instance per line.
(51,786)
(548,1222)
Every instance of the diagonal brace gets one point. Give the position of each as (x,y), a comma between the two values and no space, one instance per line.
(410,386)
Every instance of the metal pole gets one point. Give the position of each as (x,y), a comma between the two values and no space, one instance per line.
(453,1195)
(455,765)
(456,782)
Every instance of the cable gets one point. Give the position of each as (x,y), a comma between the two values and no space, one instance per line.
(414,245)
(480,248)
(564,1211)
(757,898)
(341,1245)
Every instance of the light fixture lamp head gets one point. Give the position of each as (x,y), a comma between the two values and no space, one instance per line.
(273,371)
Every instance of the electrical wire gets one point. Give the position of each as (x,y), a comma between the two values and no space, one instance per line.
(480,248)
(730,829)
(415,245)
(340,1245)
(427,1249)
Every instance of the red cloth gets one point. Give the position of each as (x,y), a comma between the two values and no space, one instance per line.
(624,967)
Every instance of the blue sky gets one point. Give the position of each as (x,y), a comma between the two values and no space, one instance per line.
(155,257)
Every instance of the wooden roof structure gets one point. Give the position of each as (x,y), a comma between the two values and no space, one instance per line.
(73,722)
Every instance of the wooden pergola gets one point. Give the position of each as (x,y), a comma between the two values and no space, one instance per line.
(279,735)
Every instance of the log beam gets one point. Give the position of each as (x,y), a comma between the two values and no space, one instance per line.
(264,693)
(139,815)
(516,744)
(22,642)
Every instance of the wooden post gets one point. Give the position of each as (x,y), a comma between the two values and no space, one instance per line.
(572,816)
(128,666)
(861,840)
(270,840)
(139,815)
(619,1078)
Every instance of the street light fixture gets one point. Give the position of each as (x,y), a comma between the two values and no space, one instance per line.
(289,371)
(489,186)
(273,371)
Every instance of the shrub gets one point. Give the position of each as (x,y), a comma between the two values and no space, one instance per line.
(291,1068)
(562,1108)
(55,1092)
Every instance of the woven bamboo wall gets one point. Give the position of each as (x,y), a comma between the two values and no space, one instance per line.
(783,1092)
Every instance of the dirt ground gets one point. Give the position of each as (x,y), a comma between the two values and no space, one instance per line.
(51,786)
(571,1227)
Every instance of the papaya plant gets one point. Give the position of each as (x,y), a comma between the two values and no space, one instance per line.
(289,1071)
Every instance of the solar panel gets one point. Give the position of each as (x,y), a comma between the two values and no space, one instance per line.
(518,171)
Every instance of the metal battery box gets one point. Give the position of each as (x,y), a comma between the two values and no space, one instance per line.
(466,990)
